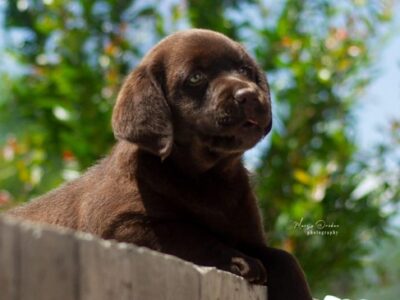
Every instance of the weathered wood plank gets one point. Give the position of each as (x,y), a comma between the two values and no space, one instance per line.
(48,264)
(9,259)
(221,285)
(43,263)
(187,279)
(156,276)
(105,269)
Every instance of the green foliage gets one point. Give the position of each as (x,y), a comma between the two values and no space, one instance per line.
(57,112)
(311,170)
(317,54)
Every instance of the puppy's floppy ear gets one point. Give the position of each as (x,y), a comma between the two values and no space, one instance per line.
(141,114)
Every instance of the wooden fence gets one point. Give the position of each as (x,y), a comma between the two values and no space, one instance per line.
(48,263)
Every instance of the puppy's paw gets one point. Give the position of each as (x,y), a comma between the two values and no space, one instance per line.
(250,268)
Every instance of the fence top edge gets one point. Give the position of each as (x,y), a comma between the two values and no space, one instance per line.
(39,229)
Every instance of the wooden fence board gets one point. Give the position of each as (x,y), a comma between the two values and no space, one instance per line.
(9,259)
(105,270)
(48,263)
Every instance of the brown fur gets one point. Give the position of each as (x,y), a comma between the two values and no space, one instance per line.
(174,181)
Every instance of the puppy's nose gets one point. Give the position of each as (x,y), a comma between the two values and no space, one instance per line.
(246,97)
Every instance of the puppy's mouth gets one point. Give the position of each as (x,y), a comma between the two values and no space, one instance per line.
(250,123)
(222,141)
(236,139)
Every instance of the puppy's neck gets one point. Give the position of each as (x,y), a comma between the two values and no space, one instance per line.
(188,160)
(195,160)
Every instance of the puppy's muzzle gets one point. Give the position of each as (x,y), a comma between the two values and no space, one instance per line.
(250,104)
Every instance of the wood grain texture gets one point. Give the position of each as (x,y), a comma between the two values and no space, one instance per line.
(9,260)
(48,264)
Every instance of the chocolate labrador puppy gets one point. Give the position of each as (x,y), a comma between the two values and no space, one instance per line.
(174,182)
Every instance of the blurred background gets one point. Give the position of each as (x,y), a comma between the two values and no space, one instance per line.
(327,177)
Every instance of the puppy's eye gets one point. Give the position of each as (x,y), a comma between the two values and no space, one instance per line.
(245,71)
(196,78)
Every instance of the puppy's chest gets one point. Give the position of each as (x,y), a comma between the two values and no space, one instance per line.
(212,195)
(223,208)
(223,205)
(199,201)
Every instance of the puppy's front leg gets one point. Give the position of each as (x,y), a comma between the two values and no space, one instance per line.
(191,243)
(286,279)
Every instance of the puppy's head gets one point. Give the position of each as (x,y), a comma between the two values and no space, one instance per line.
(195,86)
